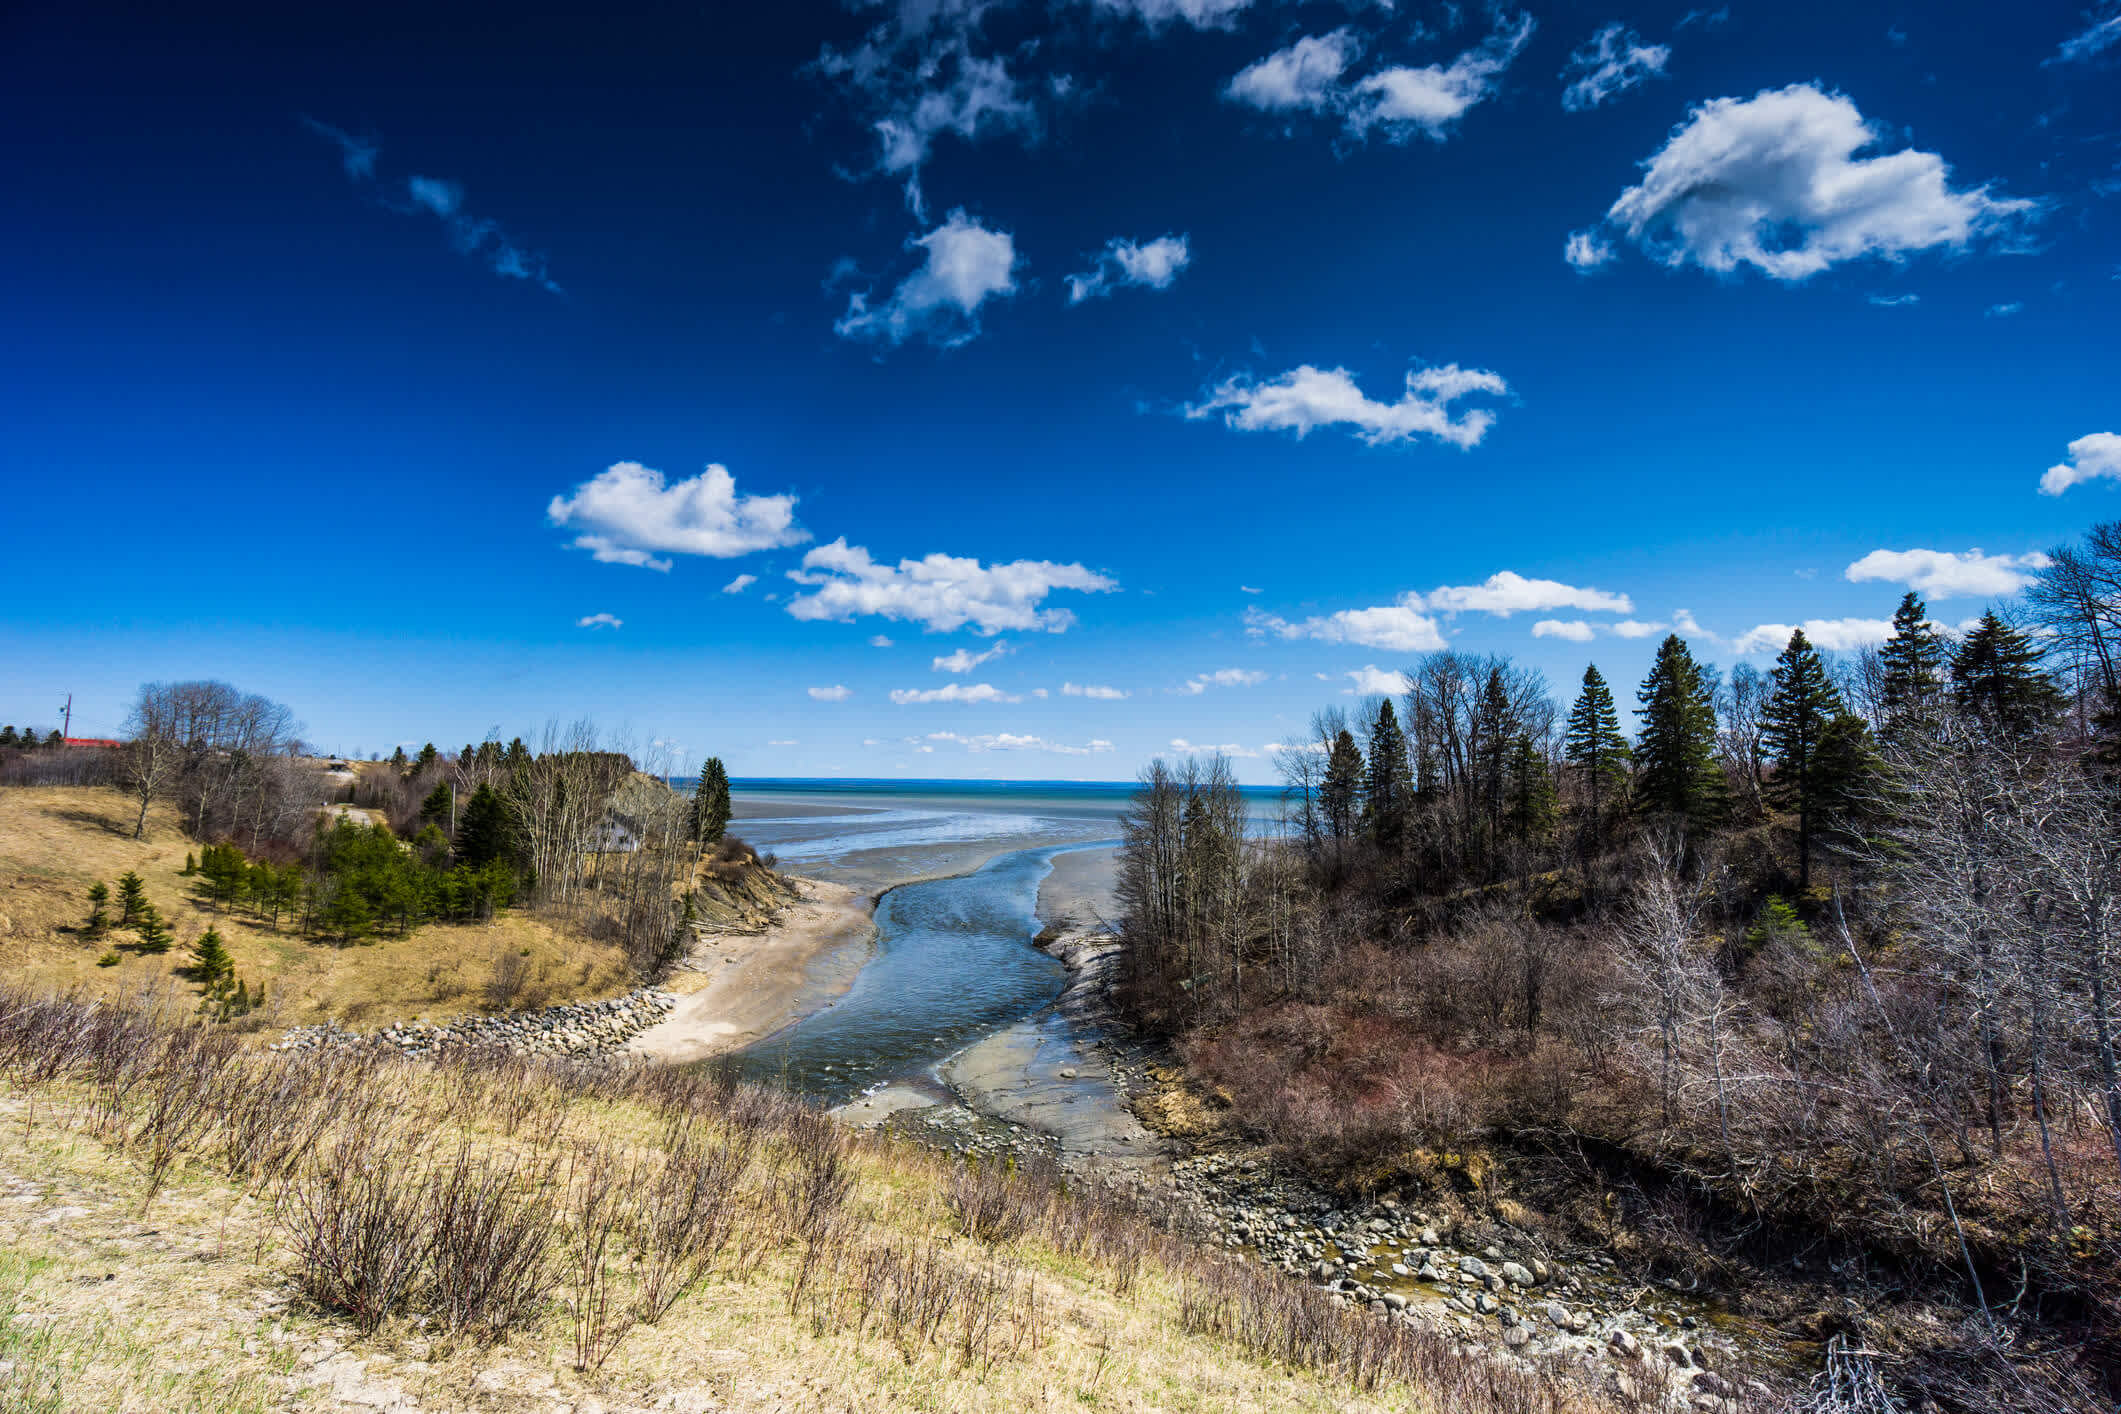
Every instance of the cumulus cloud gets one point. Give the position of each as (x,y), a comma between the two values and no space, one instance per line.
(1838,635)
(838,692)
(964,660)
(1940,574)
(1011,741)
(1152,265)
(1636,628)
(1194,748)
(1575,630)
(2090,458)
(741,583)
(963,266)
(1507,592)
(940,592)
(1397,628)
(1199,14)
(626,513)
(1304,77)
(1305,398)
(878,640)
(1370,680)
(1774,182)
(1608,64)
(1092,691)
(969,694)
(2097,37)
(599,621)
(1586,250)
(1398,103)
(1222,677)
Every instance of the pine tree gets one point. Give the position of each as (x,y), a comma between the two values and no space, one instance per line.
(98,920)
(1388,781)
(1593,744)
(710,804)
(191,866)
(425,759)
(52,738)
(210,962)
(1340,797)
(132,898)
(7,735)
(1914,661)
(397,758)
(1996,675)
(485,829)
(1677,772)
(1798,710)
(1531,810)
(155,936)
(1848,773)
(439,805)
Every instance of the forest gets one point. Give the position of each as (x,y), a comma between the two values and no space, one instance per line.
(1816,971)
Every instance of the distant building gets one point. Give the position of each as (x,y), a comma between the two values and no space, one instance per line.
(108,743)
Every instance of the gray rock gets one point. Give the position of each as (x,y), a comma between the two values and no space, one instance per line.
(1516,1275)
(1473,1267)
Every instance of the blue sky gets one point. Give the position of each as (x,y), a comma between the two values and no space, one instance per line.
(851,390)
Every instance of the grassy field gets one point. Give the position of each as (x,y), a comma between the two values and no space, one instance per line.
(56,841)
(187,1224)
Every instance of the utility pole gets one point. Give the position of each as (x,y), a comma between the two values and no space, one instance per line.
(68,713)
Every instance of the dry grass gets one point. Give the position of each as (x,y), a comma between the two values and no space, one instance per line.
(55,841)
(823,1270)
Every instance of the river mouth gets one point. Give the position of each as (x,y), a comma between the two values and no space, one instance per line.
(955,966)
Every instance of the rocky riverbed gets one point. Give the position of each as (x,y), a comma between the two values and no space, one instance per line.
(578,1029)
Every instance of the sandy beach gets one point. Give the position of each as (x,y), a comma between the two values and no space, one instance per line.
(739,987)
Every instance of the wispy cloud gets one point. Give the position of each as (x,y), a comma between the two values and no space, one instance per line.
(969,694)
(1151,265)
(1836,635)
(599,621)
(1227,748)
(356,154)
(964,660)
(1397,628)
(838,692)
(1221,677)
(2098,36)
(1398,102)
(1894,301)
(1011,741)
(1092,691)
(1608,64)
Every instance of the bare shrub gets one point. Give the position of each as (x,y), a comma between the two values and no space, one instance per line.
(992,1203)
(599,1316)
(685,1213)
(359,1231)
(491,1236)
(506,980)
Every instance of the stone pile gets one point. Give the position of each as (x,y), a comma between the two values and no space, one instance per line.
(576,1029)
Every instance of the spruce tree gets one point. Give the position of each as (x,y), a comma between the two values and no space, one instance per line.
(1914,661)
(1593,744)
(1531,810)
(1847,778)
(98,920)
(210,962)
(52,738)
(132,898)
(485,829)
(440,802)
(1340,797)
(425,759)
(397,758)
(1677,773)
(1996,676)
(7,735)
(155,936)
(1388,781)
(710,804)
(1798,710)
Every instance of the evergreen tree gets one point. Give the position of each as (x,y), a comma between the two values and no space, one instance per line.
(155,936)
(132,898)
(1531,810)
(1914,661)
(1593,744)
(485,829)
(439,805)
(710,804)
(397,758)
(191,866)
(1676,755)
(1340,796)
(210,962)
(1388,782)
(98,920)
(52,738)
(1798,710)
(518,755)
(425,759)
(1996,675)
(7,735)
(1847,776)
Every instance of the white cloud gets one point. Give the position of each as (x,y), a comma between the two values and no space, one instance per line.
(964,660)
(1401,102)
(2090,458)
(964,266)
(627,512)
(1586,250)
(838,692)
(599,621)
(1837,635)
(1248,589)
(1092,691)
(1373,681)
(1306,397)
(1150,264)
(970,694)
(1397,628)
(1707,19)
(919,75)
(878,640)
(942,592)
(1636,628)
(741,583)
(1011,741)
(2004,311)
(1943,575)
(1773,181)
(2098,36)
(1608,64)
(1228,748)
(783,741)
(1575,630)
(1894,301)
(1683,621)
(1507,592)
(1305,77)
(1221,677)
(1200,14)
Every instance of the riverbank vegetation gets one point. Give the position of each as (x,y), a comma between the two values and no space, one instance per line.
(481,1231)
(1818,972)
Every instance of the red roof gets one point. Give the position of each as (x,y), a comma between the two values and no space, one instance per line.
(93,741)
